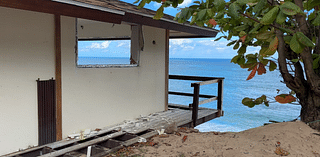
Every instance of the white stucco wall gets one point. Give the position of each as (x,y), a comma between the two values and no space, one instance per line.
(98,97)
(26,54)
(91,97)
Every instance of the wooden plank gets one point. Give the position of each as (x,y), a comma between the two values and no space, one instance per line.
(190,94)
(83,145)
(46,6)
(135,140)
(208,100)
(206,82)
(195,103)
(57,24)
(187,107)
(166,88)
(193,78)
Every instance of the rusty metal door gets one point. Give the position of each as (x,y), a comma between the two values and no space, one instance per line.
(46,111)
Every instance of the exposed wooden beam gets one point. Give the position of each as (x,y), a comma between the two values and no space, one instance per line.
(166,69)
(57,32)
(165,24)
(47,6)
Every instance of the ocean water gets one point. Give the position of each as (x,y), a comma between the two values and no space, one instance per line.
(237,117)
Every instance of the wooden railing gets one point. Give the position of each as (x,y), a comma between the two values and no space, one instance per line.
(196,93)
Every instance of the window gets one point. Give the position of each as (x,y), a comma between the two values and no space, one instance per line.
(103,45)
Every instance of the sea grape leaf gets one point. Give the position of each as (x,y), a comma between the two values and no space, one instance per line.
(304,39)
(295,44)
(316,21)
(269,17)
(261,70)
(201,14)
(159,13)
(316,63)
(310,4)
(272,65)
(243,49)
(257,9)
(236,46)
(287,39)
(232,42)
(248,102)
(285,98)
(219,4)
(253,72)
(281,18)
(233,10)
(265,35)
(290,8)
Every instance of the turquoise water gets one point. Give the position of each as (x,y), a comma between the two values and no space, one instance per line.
(237,117)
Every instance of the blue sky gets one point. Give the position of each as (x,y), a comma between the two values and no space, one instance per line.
(179,48)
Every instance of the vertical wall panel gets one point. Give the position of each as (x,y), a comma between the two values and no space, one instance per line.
(46,111)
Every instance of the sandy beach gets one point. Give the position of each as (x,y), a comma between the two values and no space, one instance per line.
(294,139)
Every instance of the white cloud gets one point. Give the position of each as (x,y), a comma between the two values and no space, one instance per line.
(124,44)
(180,41)
(185,3)
(102,45)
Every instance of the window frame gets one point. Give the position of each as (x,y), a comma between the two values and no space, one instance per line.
(136,46)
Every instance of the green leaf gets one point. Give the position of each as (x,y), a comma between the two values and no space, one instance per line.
(310,4)
(219,38)
(159,13)
(232,42)
(272,65)
(270,16)
(265,35)
(316,63)
(316,21)
(295,44)
(233,10)
(219,4)
(236,46)
(287,39)
(201,14)
(135,2)
(281,18)
(255,28)
(248,102)
(198,2)
(257,9)
(290,8)
(285,30)
(142,4)
(210,13)
(241,28)
(295,60)
(219,15)
(304,39)
(243,2)
(242,33)
(243,49)
(235,59)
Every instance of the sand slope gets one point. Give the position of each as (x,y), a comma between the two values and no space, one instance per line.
(294,137)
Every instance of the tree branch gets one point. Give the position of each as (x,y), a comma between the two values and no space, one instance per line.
(287,77)
(312,78)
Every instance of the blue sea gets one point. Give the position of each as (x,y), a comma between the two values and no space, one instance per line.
(237,117)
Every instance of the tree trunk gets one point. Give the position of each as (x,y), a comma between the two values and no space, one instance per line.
(310,111)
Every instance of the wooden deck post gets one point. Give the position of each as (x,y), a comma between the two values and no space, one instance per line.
(166,70)
(195,104)
(220,96)
(57,27)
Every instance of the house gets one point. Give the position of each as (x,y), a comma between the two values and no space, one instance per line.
(39,66)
